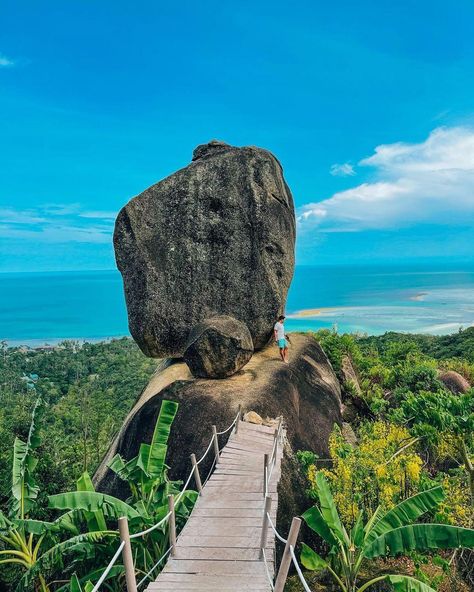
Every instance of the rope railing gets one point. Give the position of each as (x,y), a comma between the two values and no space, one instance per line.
(146,576)
(288,553)
(288,556)
(109,567)
(298,569)
(270,462)
(267,570)
(277,534)
(126,537)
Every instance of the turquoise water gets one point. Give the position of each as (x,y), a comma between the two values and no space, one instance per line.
(46,307)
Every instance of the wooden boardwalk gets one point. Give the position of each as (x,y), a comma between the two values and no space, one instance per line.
(219,548)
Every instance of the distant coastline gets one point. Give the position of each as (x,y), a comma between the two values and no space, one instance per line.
(47,308)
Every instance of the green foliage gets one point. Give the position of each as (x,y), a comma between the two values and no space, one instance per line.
(444,347)
(336,346)
(84,536)
(389,534)
(87,392)
(146,474)
(380,470)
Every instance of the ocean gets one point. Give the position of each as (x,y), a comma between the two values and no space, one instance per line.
(38,308)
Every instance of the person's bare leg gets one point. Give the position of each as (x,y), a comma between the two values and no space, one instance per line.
(282,354)
(285,355)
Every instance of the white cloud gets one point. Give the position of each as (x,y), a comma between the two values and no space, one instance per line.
(5,62)
(102,214)
(429,182)
(342,170)
(56,223)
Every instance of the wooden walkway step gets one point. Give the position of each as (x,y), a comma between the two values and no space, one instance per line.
(219,547)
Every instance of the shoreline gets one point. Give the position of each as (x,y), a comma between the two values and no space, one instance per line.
(54,342)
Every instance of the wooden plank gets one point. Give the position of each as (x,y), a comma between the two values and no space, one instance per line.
(220,554)
(254,438)
(260,429)
(223,522)
(212,494)
(228,503)
(200,582)
(255,448)
(244,512)
(217,568)
(237,532)
(219,541)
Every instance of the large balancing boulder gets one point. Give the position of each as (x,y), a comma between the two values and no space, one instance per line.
(218,347)
(215,238)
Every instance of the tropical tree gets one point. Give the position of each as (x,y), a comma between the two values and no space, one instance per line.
(147,477)
(443,415)
(385,534)
(36,546)
(82,536)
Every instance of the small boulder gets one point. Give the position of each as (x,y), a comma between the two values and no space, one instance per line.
(252,417)
(348,434)
(349,376)
(218,347)
(454,382)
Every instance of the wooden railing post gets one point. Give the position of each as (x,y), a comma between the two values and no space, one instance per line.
(265,475)
(265,524)
(197,476)
(239,417)
(172,525)
(286,558)
(216,443)
(275,444)
(127,555)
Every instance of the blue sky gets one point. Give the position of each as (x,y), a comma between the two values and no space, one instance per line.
(368,105)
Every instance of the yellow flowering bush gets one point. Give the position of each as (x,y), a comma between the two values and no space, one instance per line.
(456,507)
(376,472)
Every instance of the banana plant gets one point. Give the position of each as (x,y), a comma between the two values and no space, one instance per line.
(22,538)
(384,535)
(146,473)
(147,477)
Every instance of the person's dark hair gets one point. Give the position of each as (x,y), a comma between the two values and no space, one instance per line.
(281,317)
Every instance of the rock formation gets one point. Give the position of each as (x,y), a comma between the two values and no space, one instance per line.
(349,375)
(305,392)
(454,382)
(215,238)
(218,347)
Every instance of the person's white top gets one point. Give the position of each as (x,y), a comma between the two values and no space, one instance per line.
(280,329)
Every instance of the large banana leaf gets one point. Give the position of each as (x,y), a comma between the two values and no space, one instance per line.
(407,584)
(148,466)
(406,512)
(159,442)
(311,560)
(314,519)
(329,510)
(24,489)
(419,537)
(123,469)
(95,520)
(65,522)
(92,501)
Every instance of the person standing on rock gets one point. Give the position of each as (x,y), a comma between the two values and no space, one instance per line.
(280,338)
